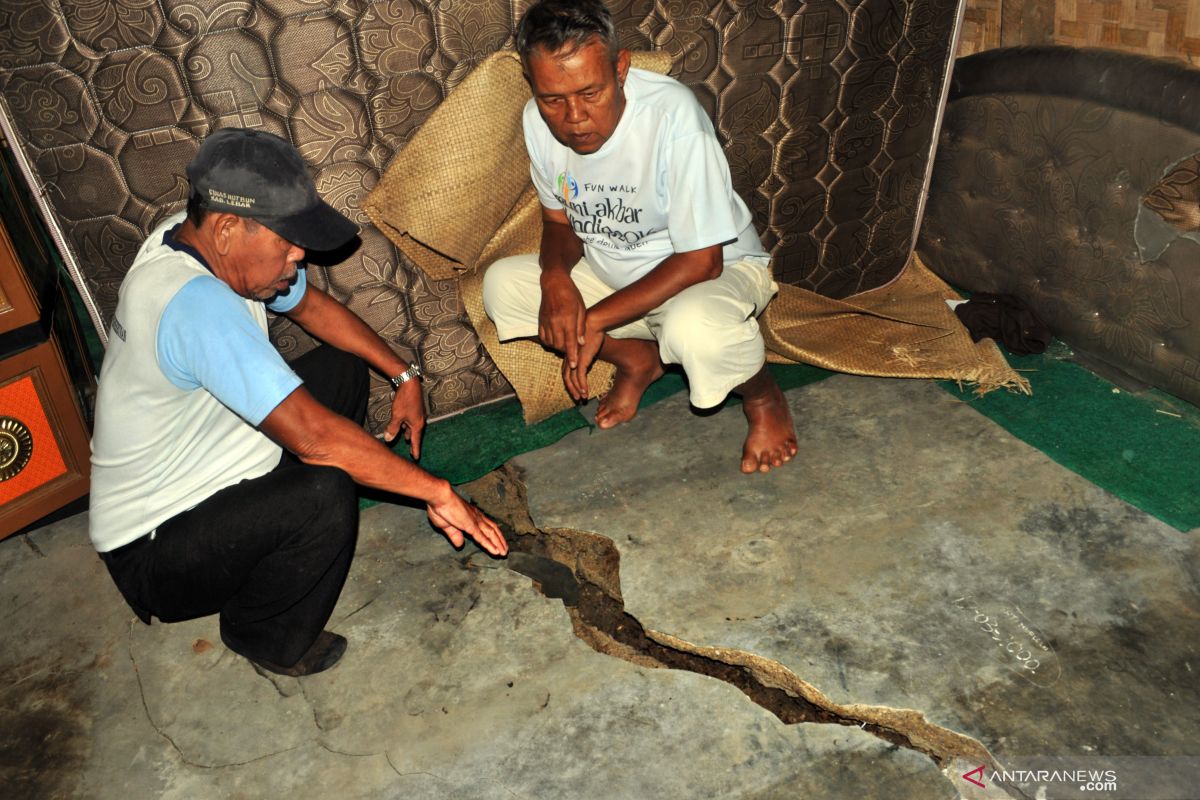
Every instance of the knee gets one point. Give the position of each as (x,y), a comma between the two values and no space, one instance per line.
(352,377)
(358,377)
(689,331)
(334,501)
(494,291)
(342,365)
(504,286)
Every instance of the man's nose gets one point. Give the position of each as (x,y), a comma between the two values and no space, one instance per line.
(575,112)
(295,254)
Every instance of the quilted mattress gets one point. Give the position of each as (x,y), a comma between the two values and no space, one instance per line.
(828,112)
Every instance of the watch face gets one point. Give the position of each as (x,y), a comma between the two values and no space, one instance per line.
(16,447)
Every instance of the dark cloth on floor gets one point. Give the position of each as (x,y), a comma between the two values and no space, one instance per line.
(1006,320)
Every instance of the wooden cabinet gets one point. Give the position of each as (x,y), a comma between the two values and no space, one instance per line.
(45,378)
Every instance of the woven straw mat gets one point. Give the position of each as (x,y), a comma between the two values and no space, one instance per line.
(901,330)
(458,197)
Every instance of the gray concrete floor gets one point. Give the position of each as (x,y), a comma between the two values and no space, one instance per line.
(915,556)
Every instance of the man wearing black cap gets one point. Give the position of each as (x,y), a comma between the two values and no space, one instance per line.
(223,477)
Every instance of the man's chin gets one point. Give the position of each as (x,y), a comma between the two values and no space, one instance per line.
(582,145)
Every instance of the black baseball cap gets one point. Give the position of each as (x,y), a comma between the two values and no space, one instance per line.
(259,175)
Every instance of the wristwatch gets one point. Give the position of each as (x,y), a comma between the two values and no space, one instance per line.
(413,371)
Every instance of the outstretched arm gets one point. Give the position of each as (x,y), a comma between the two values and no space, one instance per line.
(334,324)
(318,436)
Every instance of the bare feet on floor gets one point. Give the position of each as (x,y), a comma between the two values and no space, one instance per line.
(771,441)
(638,368)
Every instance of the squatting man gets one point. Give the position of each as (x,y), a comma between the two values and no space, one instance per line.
(223,478)
(648,257)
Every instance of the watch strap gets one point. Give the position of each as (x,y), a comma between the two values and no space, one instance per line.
(413,371)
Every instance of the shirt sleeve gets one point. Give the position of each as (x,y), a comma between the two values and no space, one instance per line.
(286,301)
(535,128)
(700,191)
(208,339)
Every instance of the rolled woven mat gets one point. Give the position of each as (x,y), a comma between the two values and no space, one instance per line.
(458,197)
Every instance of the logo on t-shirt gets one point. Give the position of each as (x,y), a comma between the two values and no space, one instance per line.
(605,219)
(568,187)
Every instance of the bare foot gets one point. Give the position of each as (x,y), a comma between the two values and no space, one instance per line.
(638,368)
(772,438)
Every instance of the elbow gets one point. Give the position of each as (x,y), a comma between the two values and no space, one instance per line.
(709,264)
(311,442)
(313,433)
(699,273)
(709,268)
(310,450)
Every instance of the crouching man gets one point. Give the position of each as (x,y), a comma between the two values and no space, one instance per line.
(223,479)
(647,255)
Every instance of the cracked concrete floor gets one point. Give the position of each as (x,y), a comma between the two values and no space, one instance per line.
(863,569)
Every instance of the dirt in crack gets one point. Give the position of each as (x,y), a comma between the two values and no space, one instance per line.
(583,570)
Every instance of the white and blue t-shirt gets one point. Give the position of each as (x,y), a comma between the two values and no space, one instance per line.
(188,375)
(659,185)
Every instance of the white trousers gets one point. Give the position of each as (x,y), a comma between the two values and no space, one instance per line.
(710,328)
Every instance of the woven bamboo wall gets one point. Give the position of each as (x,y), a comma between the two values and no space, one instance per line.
(981,26)
(1149,27)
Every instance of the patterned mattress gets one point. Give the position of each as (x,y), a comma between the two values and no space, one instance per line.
(828,112)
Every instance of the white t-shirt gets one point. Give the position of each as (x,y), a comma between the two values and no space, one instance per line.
(659,185)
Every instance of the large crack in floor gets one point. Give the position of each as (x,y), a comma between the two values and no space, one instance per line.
(583,570)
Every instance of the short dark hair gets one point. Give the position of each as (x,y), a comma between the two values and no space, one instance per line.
(196,212)
(553,25)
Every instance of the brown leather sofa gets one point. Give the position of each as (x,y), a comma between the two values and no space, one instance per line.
(1067,177)
(827,110)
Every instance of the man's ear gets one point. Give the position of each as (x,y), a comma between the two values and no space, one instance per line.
(225,226)
(622,66)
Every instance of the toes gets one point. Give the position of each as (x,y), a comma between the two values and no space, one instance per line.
(609,417)
(767,460)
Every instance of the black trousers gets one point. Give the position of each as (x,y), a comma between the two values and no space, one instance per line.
(270,555)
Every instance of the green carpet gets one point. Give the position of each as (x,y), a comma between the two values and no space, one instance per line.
(1144,448)
(472,444)
(469,445)
(1140,447)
